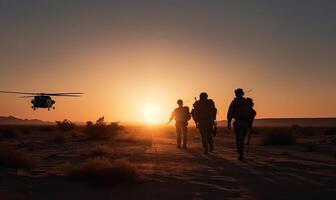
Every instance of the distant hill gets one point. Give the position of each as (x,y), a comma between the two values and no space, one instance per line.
(285,122)
(10,120)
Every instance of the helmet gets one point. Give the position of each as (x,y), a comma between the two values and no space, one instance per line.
(179,101)
(239,92)
(203,95)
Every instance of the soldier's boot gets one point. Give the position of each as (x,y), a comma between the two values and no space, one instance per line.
(205,151)
(240,157)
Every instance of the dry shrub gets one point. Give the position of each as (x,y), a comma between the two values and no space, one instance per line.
(100,130)
(17,159)
(8,133)
(65,125)
(101,171)
(101,150)
(278,137)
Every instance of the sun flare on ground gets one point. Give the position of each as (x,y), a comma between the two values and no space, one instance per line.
(152,113)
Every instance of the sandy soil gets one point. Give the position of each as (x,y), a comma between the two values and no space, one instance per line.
(286,172)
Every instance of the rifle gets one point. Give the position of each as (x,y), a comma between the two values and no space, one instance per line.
(214,133)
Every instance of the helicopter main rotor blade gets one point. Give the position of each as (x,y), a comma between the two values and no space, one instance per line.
(27,93)
(64,93)
(26,96)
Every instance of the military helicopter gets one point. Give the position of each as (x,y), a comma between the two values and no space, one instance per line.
(43,100)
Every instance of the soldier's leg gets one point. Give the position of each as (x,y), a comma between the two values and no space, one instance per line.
(178,135)
(238,134)
(240,131)
(203,132)
(185,132)
(210,138)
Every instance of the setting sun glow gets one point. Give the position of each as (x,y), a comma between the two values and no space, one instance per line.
(152,113)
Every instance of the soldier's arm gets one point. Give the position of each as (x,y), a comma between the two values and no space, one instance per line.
(172,116)
(230,113)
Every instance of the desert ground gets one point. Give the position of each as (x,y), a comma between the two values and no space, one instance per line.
(304,169)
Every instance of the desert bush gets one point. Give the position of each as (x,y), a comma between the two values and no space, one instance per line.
(17,159)
(65,125)
(278,137)
(47,128)
(102,171)
(101,150)
(100,130)
(8,133)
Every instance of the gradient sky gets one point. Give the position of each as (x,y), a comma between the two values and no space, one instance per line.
(125,55)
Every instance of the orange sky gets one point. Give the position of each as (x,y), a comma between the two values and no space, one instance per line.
(128,60)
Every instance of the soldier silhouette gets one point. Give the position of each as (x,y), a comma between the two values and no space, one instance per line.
(204,114)
(241,110)
(181,115)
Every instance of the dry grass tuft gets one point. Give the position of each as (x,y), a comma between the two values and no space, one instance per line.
(101,171)
(278,137)
(101,131)
(65,125)
(17,159)
(101,150)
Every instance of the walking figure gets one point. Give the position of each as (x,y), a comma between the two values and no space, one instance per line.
(204,115)
(181,115)
(241,110)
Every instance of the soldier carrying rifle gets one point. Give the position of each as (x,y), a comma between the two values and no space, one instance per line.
(241,110)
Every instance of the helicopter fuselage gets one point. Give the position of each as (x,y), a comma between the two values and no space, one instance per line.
(42,101)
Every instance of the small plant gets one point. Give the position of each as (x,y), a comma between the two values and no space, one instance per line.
(8,133)
(17,159)
(100,130)
(102,171)
(65,125)
(278,137)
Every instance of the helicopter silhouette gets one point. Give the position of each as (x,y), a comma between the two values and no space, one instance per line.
(43,100)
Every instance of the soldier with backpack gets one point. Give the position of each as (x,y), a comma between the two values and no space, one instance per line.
(181,115)
(204,114)
(241,110)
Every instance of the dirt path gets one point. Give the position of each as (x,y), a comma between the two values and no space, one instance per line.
(263,175)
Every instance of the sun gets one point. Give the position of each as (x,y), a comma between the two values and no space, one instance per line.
(152,113)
